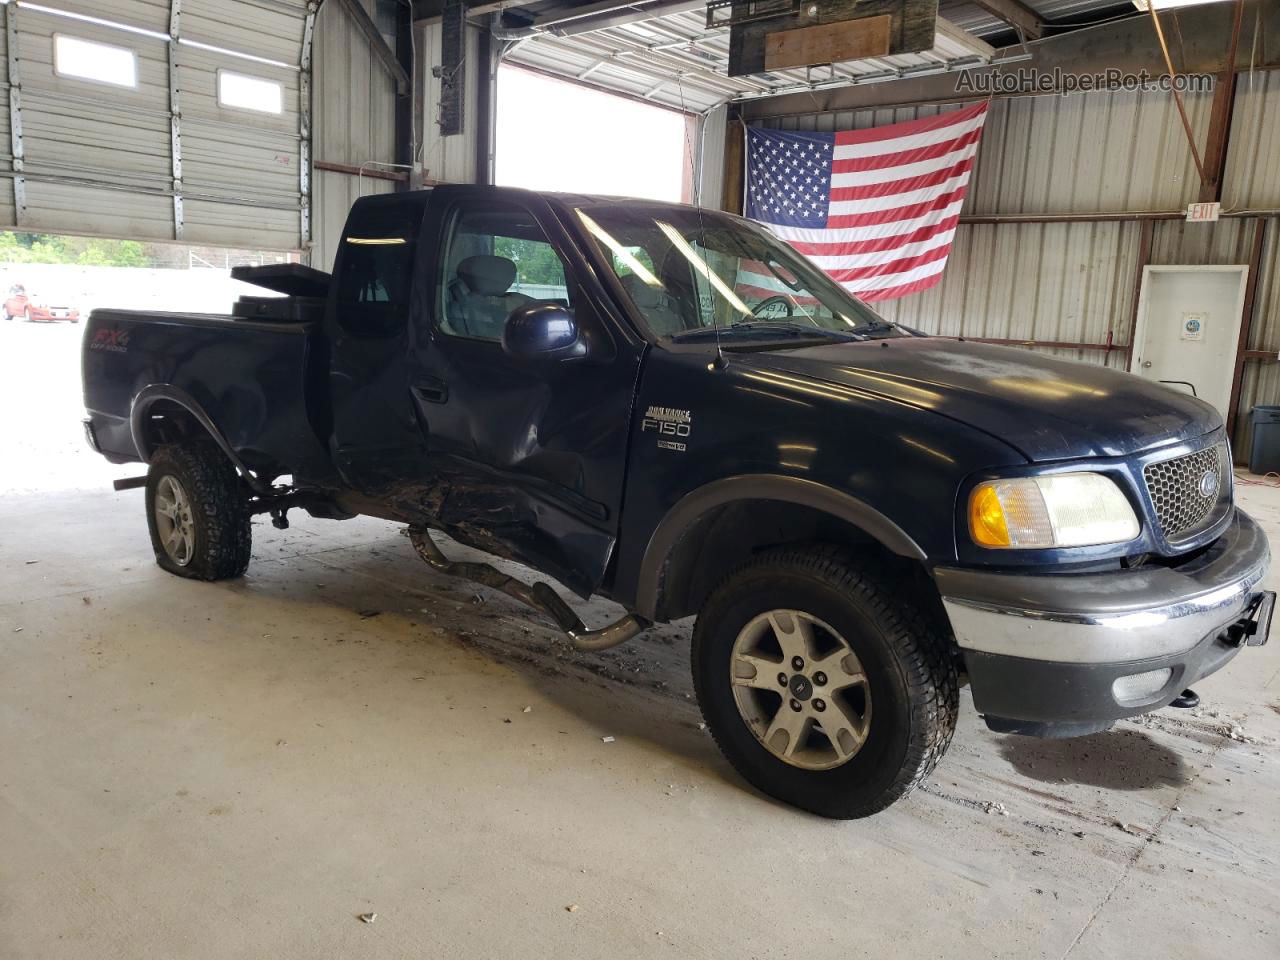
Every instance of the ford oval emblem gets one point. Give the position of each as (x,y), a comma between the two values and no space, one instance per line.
(1209,484)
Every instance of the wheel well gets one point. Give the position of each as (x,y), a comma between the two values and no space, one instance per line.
(725,537)
(167,421)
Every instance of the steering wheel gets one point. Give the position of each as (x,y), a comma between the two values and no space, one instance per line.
(759,308)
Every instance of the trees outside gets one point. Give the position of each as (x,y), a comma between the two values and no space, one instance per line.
(85,251)
(536,261)
(99,252)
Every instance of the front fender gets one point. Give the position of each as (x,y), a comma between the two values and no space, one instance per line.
(692,506)
(886,468)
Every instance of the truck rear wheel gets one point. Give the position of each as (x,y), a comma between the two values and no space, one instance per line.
(197,512)
(822,684)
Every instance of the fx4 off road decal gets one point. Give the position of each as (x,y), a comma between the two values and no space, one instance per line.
(111,339)
(671,425)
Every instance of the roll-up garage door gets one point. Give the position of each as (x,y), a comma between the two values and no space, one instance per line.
(158,119)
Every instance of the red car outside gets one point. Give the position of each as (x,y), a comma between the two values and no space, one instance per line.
(18,305)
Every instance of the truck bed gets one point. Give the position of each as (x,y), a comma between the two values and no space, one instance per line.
(253,379)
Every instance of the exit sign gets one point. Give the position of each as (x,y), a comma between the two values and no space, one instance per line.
(1203,212)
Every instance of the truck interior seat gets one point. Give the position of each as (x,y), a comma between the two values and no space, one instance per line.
(479,297)
(661,310)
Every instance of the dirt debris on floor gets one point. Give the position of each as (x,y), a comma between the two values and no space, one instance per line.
(338,780)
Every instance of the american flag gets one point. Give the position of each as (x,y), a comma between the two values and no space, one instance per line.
(877,209)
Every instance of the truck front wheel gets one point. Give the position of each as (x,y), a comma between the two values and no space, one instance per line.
(197,513)
(823,684)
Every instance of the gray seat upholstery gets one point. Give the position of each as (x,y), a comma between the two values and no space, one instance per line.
(479,301)
(660,309)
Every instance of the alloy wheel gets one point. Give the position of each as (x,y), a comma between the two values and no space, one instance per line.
(800,689)
(174,521)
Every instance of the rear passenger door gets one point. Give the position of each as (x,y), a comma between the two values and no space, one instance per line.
(530,454)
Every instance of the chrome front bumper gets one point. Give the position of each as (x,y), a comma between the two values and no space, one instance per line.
(1124,615)
(1069,654)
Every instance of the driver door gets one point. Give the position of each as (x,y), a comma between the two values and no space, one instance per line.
(528,455)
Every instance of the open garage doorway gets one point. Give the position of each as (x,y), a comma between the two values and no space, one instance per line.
(49,284)
(629,148)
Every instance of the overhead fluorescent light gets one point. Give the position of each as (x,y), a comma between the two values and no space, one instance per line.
(376,241)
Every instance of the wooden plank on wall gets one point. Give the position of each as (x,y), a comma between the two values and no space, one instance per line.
(828,43)
(911,30)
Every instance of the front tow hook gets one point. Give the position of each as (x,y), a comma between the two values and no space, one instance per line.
(1187,700)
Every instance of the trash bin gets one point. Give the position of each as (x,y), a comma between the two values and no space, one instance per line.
(1264,454)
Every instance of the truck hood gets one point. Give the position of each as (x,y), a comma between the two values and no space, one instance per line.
(1046,408)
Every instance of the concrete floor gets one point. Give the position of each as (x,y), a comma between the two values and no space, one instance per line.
(239,770)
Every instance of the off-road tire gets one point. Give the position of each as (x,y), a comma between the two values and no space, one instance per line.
(896,633)
(219,508)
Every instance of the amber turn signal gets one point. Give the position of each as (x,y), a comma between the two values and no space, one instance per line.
(987,524)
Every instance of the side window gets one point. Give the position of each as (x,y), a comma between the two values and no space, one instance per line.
(375,269)
(497,258)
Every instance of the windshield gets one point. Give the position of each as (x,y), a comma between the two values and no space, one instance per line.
(689,272)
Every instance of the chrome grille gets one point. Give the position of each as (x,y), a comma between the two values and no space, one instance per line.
(1175,488)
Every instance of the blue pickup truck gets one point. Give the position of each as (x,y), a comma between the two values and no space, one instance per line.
(669,407)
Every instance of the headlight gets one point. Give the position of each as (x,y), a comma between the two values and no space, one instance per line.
(1066,510)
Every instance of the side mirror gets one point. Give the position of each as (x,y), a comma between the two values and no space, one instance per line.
(542,330)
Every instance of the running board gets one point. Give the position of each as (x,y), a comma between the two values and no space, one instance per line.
(540,596)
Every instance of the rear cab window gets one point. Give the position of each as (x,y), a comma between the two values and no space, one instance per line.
(375,268)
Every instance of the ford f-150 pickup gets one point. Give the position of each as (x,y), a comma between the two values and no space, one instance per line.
(669,407)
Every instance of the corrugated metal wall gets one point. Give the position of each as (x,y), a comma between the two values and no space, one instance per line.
(162,159)
(1085,153)
(1063,282)
(354,120)
(353,109)
(1252,178)
(1106,152)
(450,159)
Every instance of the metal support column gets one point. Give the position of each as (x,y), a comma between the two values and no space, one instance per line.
(15,114)
(304,128)
(405,147)
(1246,323)
(1224,99)
(735,150)
(175,116)
(486,80)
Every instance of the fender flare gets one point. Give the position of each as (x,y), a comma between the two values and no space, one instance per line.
(809,493)
(149,395)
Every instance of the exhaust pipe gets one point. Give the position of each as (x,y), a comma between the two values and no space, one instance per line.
(539,596)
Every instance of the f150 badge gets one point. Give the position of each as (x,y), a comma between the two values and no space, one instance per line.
(671,425)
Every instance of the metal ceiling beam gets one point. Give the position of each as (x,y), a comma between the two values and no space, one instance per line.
(961,37)
(633,13)
(1127,45)
(377,43)
(430,11)
(1019,16)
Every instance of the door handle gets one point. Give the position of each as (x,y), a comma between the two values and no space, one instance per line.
(431,389)
(1146,364)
